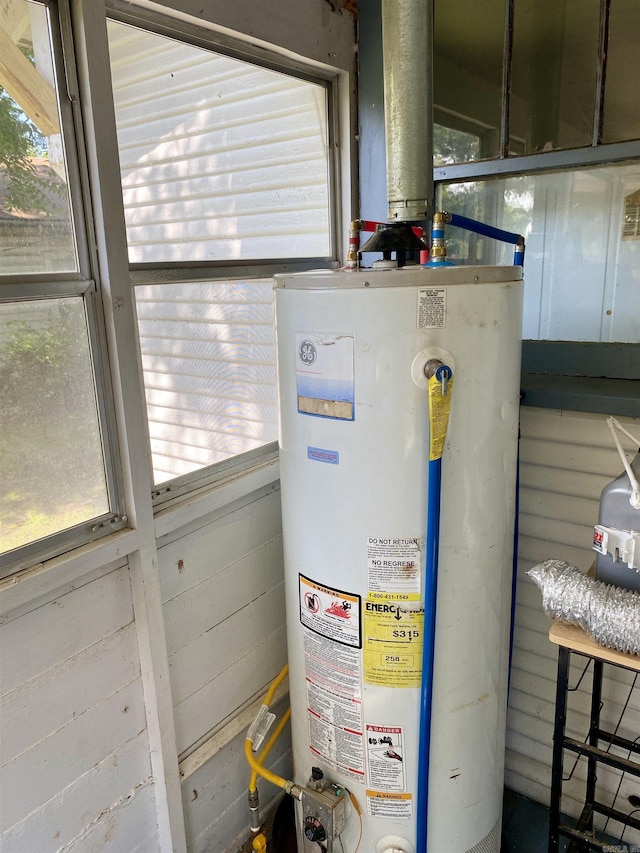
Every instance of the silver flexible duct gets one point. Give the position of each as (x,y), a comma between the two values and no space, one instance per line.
(609,614)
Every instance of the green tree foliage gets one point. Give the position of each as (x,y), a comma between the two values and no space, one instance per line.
(27,187)
(51,466)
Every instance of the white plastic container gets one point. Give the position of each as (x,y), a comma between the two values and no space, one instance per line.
(354,459)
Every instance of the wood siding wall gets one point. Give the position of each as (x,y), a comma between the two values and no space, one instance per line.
(223,605)
(76,772)
(565,460)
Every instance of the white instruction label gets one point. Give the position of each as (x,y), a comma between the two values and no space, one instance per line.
(432,308)
(334,704)
(334,666)
(385,758)
(394,568)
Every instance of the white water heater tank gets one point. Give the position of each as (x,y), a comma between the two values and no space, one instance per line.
(354,451)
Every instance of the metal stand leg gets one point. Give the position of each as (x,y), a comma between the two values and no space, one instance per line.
(558,736)
(592,763)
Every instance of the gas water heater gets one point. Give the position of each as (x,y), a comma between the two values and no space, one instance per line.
(354,453)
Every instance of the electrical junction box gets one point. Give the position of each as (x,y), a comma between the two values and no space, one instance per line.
(323,815)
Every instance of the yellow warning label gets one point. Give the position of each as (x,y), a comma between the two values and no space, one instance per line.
(383,795)
(439,408)
(382,804)
(392,644)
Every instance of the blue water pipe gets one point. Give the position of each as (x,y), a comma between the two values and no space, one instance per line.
(438,251)
(443,372)
(438,258)
(514,565)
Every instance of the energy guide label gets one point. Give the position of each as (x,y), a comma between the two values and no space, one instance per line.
(393,567)
(392,646)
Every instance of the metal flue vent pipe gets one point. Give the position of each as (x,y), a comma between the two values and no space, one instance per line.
(407,46)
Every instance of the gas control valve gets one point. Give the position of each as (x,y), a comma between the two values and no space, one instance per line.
(323,813)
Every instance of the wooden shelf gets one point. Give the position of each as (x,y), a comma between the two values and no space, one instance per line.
(574,638)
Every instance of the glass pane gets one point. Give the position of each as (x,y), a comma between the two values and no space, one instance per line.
(553,83)
(582,264)
(208,354)
(622,92)
(220,159)
(35,218)
(468,47)
(454,146)
(51,466)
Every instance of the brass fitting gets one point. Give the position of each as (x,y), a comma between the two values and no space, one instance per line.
(259,843)
(354,243)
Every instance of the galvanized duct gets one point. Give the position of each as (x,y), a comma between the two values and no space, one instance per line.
(407,44)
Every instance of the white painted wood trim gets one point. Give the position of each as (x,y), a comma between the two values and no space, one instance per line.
(46,578)
(96,98)
(307,30)
(228,732)
(194,506)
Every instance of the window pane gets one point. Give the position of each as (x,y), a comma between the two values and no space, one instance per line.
(35,219)
(553,84)
(468,47)
(454,146)
(51,466)
(582,264)
(622,92)
(220,159)
(209,370)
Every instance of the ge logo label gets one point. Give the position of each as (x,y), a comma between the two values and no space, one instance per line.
(307,352)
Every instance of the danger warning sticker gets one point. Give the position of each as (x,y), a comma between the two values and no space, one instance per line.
(385,758)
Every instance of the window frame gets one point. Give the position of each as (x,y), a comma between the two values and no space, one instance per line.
(216,42)
(84,283)
(546,380)
(604,377)
(172,273)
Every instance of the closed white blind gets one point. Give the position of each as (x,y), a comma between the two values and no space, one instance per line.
(209,370)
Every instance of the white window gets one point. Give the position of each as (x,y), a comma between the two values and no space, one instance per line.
(631,224)
(57,483)
(582,272)
(226,170)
